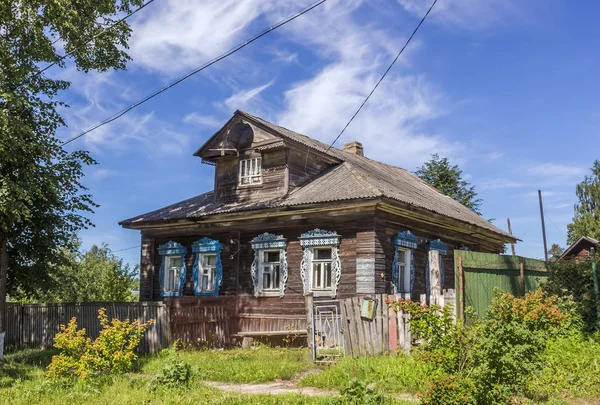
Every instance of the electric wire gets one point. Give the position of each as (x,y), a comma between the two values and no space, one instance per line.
(383,76)
(199,69)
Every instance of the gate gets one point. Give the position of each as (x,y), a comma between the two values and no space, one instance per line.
(328,335)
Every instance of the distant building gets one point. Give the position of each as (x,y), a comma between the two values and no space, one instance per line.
(580,250)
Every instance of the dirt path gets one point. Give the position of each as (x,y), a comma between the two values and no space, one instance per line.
(273,388)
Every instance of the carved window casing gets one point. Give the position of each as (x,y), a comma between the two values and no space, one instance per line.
(403,265)
(269,268)
(321,268)
(172,269)
(208,268)
(439,248)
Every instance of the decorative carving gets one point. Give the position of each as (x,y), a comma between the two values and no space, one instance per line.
(269,241)
(305,270)
(442,249)
(172,248)
(207,245)
(439,246)
(410,241)
(317,238)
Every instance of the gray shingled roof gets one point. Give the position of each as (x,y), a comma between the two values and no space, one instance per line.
(356,178)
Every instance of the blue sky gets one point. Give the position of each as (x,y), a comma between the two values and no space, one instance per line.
(506,89)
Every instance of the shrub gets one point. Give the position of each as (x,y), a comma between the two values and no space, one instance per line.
(445,342)
(112,352)
(511,340)
(449,390)
(175,372)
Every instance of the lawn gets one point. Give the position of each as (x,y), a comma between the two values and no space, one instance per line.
(22,380)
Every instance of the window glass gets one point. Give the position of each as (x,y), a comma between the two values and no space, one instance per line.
(272,257)
(321,269)
(322,254)
(250,171)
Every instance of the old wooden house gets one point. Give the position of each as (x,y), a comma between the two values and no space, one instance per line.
(289,216)
(581,249)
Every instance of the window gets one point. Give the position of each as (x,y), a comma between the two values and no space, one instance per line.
(250,171)
(321,269)
(404,257)
(173,265)
(172,269)
(403,267)
(269,269)
(208,270)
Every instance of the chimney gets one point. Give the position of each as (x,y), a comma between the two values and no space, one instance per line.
(354,147)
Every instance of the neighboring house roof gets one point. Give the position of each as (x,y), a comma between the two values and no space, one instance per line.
(581,243)
(357,177)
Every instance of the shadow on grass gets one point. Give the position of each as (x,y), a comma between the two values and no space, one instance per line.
(32,357)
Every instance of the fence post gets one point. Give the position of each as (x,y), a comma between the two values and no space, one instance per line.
(461,290)
(310,334)
(522,277)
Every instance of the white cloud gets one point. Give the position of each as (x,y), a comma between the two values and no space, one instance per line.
(244,99)
(207,121)
(500,184)
(554,174)
(464,14)
(101,174)
(175,36)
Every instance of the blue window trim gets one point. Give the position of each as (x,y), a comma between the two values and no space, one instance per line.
(442,248)
(207,245)
(171,249)
(405,239)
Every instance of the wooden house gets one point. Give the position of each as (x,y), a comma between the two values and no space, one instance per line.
(580,250)
(289,216)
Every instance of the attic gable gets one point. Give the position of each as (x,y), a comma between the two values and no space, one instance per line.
(237,136)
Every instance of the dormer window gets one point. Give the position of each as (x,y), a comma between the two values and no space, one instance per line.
(250,171)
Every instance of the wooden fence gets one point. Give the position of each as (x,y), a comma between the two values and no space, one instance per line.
(35,325)
(201,326)
(389,330)
(478,274)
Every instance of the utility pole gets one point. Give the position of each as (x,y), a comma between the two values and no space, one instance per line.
(512,244)
(543,226)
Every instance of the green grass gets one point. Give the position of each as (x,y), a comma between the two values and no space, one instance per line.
(572,369)
(242,366)
(391,374)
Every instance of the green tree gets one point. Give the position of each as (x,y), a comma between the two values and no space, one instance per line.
(555,251)
(448,180)
(586,221)
(94,275)
(42,202)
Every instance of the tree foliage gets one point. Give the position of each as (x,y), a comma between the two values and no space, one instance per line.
(586,221)
(448,180)
(42,201)
(93,275)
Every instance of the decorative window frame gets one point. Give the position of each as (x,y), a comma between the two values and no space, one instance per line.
(172,249)
(207,245)
(410,241)
(269,241)
(442,248)
(320,238)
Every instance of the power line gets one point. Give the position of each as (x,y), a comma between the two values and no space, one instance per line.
(129,248)
(199,69)
(383,76)
(86,42)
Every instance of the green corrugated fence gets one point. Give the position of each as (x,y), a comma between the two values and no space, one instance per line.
(481,273)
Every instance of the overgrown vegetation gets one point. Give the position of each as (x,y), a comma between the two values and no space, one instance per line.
(113,351)
(509,354)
